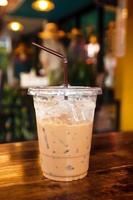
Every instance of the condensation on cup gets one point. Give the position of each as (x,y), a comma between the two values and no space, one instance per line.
(64,128)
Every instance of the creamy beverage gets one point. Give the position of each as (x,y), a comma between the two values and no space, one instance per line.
(64,124)
(64,149)
(64,116)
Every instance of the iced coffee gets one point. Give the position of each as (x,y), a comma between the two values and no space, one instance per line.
(64,130)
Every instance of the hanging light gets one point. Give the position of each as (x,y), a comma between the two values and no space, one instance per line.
(15,26)
(3,2)
(43,5)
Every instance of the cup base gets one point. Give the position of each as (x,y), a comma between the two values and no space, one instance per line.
(64,179)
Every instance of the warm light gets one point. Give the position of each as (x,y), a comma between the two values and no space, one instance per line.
(43,5)
(125,13)
(15,26)
(3,2)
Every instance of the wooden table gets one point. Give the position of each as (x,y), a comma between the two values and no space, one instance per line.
(110,176)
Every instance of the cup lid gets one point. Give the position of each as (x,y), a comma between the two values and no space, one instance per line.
(63,91)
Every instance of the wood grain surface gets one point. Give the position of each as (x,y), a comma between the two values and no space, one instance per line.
(110,176)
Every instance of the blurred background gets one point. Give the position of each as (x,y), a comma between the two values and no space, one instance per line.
(95,36)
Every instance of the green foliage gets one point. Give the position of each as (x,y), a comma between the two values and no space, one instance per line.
(19,115)
(81,74)
(3,59)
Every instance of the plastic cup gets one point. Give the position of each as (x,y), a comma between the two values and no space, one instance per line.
(64,119)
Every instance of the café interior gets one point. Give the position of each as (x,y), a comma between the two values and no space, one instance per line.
(57,58)
(101,58)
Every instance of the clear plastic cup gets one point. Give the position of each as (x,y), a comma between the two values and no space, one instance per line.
(64,119)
